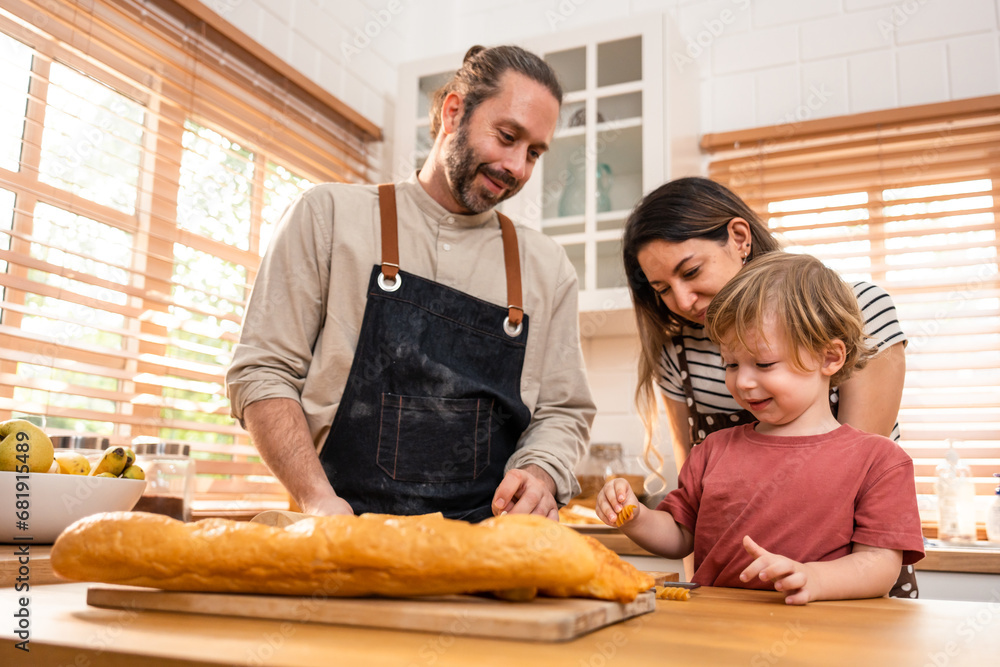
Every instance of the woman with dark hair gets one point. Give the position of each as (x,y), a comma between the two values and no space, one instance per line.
(683,242)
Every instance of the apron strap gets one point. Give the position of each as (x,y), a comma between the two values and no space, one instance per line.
(512,265)
(390,256)
(390,239)
(701,424)
(693,416)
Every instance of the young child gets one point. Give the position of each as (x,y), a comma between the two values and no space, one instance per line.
(796,502)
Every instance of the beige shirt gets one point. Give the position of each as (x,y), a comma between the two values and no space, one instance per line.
(304,316)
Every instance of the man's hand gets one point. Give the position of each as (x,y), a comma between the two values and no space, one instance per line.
(790,577)
(528,490)
(327,506)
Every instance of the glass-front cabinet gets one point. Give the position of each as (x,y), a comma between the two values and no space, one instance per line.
(607,152)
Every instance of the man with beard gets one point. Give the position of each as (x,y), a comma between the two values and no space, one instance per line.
(390,360)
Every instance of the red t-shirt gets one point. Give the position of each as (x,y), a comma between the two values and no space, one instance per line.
(807,498)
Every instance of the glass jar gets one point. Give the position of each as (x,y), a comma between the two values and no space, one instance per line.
(603,461)
(89,446)
(169,471)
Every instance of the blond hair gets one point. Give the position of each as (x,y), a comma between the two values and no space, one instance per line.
(810,301)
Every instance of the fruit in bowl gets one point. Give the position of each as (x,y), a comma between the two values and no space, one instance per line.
(24,447)
(44,490)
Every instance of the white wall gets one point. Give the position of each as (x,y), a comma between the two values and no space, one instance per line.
(759,62)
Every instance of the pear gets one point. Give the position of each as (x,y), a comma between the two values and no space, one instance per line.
(23,443)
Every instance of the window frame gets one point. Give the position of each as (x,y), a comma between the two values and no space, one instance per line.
(102,46)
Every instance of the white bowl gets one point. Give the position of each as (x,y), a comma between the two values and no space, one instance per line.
(54,501)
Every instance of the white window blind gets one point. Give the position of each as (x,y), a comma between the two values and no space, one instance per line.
(145,156)
(907,199)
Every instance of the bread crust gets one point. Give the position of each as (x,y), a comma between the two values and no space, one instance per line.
(615,579)
(371,554)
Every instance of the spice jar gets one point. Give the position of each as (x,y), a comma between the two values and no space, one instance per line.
(169,472)
(603,461)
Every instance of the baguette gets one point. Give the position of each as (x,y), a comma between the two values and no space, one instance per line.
(371,554)
(615,579)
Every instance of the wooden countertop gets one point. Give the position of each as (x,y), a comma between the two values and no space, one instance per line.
(39,568)
(716,627)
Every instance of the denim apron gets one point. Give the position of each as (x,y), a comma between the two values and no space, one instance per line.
(432,408)
(701,424)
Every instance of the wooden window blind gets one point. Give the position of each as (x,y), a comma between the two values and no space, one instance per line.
(907,199)
(147,150)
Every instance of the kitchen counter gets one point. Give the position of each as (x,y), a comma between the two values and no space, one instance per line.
(38,565)
(718,626)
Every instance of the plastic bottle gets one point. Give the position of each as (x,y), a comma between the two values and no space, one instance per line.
(956,496)
(993,517)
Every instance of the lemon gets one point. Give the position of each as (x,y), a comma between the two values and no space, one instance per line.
(19,437)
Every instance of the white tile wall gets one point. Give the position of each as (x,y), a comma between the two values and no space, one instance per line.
(831,79)
(844,34)
(611,369)
(754,56)
(349,47)
(974,65)
(775,12)
(922,73)
(854,5)
(733,97)
(757,49)
(932,20)
(871,80)
(778,94)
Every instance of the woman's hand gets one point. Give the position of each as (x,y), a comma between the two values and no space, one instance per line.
(615,496)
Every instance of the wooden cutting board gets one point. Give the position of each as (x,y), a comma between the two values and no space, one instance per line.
(542,619)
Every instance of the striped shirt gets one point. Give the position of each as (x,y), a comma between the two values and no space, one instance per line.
(708,375)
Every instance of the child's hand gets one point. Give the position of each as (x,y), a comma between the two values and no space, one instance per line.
(615,496)
(789,577)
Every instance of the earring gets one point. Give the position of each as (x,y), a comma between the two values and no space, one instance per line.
(744,260)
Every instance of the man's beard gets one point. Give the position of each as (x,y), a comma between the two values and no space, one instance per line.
(461,166)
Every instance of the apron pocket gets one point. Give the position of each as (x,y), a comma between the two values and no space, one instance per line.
(426,439)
